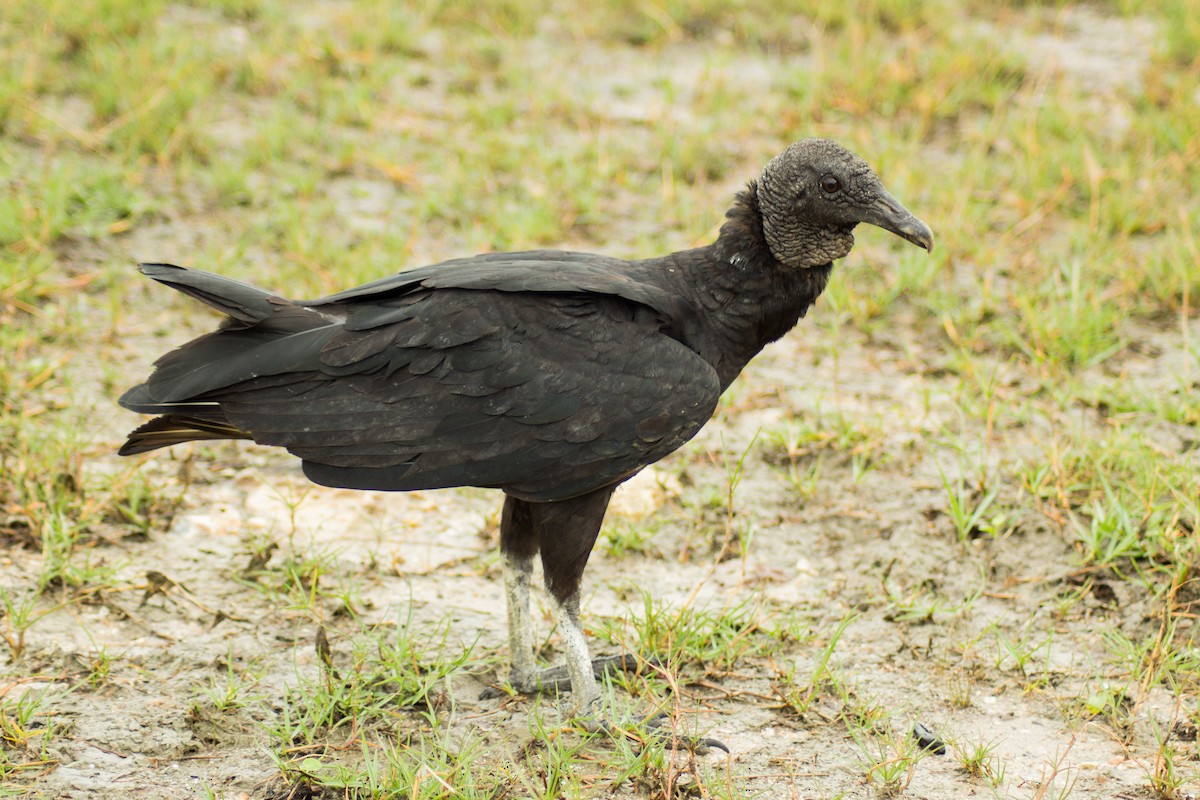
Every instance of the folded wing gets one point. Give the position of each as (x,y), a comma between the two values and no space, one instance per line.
(545,393)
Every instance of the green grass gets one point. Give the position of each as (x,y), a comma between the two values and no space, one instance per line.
(979,760)
(27,733)
(309,146)
(384,679)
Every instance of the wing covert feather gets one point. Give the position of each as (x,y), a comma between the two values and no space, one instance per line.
(518,388)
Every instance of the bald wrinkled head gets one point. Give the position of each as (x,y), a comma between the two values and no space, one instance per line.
(814,193)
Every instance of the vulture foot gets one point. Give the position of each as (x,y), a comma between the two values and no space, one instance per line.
(557,679)
(656,729)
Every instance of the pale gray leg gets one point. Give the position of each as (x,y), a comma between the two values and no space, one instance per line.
(563,532)
(585,692)
(517,572)
(524,675)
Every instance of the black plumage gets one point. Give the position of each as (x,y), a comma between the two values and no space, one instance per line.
(552,376)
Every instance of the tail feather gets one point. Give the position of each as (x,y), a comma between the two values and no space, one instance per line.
(241,301)
(172,429)
(140,400)
(264,335)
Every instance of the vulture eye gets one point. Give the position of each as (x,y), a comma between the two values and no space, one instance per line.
(830,184)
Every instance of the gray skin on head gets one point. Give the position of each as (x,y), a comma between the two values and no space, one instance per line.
(814,193)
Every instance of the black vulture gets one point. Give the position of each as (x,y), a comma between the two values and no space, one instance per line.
(552,376)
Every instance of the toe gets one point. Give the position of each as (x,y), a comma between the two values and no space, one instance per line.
(672,741)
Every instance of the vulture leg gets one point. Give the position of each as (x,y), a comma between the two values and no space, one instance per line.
(518,546)
(563,532)
(584,689)
(517,572)
(566,531)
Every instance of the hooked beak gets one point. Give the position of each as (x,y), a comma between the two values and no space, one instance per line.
(887,213)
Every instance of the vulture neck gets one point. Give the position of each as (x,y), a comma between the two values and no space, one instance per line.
(749,298)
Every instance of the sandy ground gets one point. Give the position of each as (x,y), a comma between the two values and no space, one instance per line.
(923,644)
(878,548)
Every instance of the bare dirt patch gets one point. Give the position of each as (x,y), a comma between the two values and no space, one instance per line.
(178,674)
(930,617)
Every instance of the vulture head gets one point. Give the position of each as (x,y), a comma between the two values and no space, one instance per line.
(813,194)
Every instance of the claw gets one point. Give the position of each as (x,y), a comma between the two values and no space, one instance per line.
(493,693)
(654,726)
(696,745)
(625,662)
